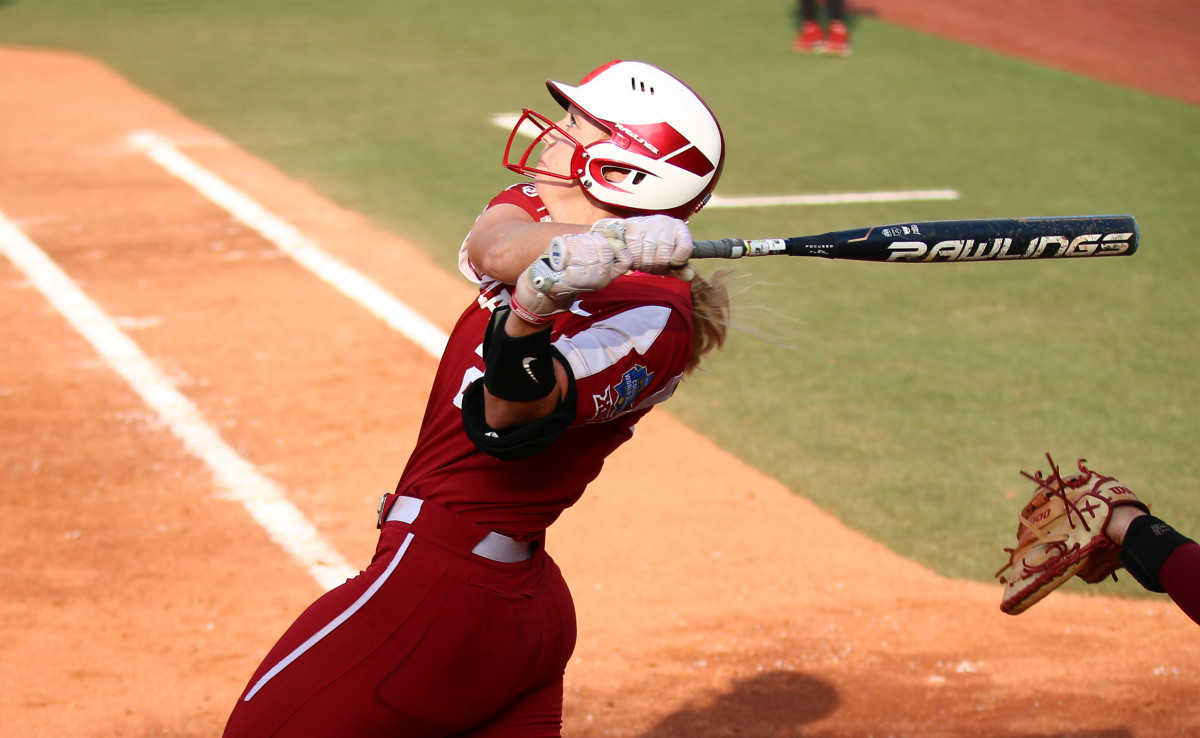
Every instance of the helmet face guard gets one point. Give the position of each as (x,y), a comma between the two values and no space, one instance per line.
(664,152)
(545,127)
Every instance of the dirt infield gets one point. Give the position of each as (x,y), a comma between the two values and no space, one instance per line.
(1148,45)
(136,601)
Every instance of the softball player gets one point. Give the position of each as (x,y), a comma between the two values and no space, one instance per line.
(587,316)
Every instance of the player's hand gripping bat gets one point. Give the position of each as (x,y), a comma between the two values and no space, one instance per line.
(996,239)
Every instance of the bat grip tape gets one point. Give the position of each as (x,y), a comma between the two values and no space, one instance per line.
(725,248)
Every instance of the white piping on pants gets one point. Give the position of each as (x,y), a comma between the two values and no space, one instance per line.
(329,628)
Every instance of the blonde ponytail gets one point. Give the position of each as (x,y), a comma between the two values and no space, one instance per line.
(710,314)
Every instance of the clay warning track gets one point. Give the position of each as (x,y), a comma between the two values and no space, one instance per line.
(1149,46)
(138,597)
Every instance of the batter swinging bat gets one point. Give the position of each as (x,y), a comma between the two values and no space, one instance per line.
(997,239)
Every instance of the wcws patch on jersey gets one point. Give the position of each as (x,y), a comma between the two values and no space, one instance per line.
(620,397)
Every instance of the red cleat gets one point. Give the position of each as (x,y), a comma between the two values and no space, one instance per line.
(839,40)
(810,40)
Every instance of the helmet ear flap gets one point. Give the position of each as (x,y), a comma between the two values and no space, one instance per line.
(613,182)
(614,174)
(618,174)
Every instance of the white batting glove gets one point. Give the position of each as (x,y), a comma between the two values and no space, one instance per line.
(657,243)
(572,264)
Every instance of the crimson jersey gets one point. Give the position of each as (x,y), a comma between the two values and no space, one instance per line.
(626,345)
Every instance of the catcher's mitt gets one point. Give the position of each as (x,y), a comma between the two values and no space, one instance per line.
(1061,535)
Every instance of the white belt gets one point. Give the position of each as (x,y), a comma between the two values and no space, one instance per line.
(494,546)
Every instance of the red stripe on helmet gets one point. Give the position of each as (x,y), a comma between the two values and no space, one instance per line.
(692,160)
(592,74)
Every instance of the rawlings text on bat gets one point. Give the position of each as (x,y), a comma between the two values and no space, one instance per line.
(994,239)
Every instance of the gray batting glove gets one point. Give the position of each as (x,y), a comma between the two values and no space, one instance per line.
(657,243)
(582,262)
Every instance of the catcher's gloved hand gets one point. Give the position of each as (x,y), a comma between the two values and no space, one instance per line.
(1061,535)
(657,243)
(572,264)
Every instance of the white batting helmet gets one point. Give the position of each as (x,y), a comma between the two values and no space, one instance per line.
(663,139)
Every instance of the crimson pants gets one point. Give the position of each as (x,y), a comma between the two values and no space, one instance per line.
(430,640)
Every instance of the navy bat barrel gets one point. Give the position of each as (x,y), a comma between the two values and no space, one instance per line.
(996,239)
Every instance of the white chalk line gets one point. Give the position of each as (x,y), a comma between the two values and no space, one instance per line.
(302,249)
(235,477)
(508,120)
(831,198)
(305,252)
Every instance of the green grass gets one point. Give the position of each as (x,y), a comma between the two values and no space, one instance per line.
(909,396)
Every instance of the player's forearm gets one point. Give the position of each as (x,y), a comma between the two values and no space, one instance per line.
(505,251)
